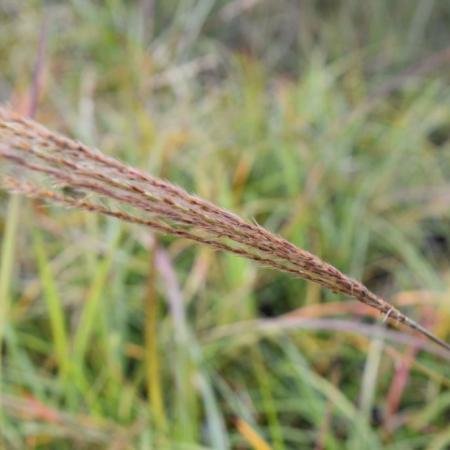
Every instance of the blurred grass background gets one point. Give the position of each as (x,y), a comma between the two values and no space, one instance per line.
(326,121)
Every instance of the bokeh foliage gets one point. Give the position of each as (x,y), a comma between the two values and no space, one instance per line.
(325,121)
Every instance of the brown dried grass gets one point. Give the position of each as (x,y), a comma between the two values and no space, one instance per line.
(63,171)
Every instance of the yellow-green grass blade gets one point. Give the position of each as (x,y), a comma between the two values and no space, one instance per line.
(55,307)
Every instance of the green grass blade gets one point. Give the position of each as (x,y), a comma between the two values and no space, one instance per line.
(54,305)
(90,312)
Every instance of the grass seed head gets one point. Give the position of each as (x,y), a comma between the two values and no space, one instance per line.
(54,168)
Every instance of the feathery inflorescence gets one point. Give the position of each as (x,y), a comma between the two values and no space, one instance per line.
(63,171)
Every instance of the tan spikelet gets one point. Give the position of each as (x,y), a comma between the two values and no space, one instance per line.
(63,171)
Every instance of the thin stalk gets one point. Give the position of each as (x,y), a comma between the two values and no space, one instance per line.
(6,267)
(154,385)
(9,239)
